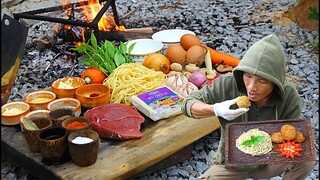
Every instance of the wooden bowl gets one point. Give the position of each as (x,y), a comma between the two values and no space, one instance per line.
(40,118)
(57,116)
(32,115)
(53,145)
(66,87)
(93,95)
(66,103)
(79,120)
(38,100)
(84,153)
(12,112)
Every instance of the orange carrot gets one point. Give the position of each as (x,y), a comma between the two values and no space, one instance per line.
(93,75)
(220,57)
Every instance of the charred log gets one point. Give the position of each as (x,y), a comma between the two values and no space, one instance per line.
(75,35)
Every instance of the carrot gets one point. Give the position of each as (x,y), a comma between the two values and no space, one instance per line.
(220,57)
(93,75)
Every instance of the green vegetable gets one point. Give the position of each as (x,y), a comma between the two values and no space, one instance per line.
(104,56)
(28,124)
(253,140)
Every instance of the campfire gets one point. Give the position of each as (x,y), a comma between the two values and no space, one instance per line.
(86,17)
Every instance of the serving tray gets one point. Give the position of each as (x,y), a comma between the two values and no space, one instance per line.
(235,157)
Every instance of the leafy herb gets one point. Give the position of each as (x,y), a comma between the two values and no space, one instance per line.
(104,56)
(28,124)
(253,140)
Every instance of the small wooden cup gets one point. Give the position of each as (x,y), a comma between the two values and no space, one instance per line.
(53,145)
(39,117)
(84,154)
(80,119)
(57,116)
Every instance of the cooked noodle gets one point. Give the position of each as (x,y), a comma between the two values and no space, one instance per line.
(131,79)
(263,147)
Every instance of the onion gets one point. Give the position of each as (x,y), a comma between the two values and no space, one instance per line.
(158,62)
(197,78)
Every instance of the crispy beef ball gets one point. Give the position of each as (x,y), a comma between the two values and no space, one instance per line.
(288,132)
(300,137)
(277,137)
(243,102)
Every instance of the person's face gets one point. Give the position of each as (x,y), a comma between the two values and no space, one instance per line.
(258,89)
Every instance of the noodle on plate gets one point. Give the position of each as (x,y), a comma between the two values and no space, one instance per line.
(264,147)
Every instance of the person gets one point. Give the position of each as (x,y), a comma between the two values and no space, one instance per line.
(260,75)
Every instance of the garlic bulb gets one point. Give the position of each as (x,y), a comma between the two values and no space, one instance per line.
(176,80)
(185,89)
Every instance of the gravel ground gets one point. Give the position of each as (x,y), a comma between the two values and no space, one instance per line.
(230,26)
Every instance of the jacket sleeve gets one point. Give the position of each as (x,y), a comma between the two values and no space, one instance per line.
(221,89)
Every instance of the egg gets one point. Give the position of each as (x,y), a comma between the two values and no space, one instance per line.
(196,55)
(189,40)
(176,53)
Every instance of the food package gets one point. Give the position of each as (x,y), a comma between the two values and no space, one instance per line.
(159,103)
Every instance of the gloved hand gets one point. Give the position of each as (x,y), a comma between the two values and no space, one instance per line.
(223,110)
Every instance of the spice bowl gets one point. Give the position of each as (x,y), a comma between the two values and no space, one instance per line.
(66,87)
(34,115)
(57,116)
(77,123)
(93,95)
(39,100)
(66,103)
(53,144)
(41,120)
(12,112)
(84,147)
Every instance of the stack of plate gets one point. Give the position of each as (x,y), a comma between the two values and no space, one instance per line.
(144,47)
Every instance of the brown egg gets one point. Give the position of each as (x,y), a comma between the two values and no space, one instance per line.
(175,53)
(195,55)
(189,40)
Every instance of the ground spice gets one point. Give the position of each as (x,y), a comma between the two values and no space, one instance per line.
(77,125)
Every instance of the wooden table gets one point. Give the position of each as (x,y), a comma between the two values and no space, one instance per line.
(116,159)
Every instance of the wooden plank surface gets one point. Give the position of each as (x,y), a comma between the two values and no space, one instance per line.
(116,159)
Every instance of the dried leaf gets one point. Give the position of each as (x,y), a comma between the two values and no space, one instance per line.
(30,125)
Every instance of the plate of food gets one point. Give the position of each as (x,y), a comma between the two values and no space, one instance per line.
(262,142)
(144,46)
(171,35)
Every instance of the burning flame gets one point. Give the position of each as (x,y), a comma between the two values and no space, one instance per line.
(106,22)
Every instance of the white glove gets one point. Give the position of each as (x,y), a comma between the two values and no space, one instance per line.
(223,110)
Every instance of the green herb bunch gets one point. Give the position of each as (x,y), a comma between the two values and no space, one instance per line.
(254,140)
(104,56)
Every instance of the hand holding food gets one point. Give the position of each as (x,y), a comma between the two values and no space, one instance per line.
(223,110)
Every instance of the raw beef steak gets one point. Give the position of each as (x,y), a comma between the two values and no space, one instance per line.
(116,121)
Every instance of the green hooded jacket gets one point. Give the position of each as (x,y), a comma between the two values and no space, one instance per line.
(265,59)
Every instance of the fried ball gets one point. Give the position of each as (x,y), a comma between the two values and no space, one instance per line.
(288,132)
(300,137)
(277,137)
(243,102)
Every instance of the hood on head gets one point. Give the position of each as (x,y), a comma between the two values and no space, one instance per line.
(266,59)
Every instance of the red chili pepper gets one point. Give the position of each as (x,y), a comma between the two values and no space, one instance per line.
(290,149)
